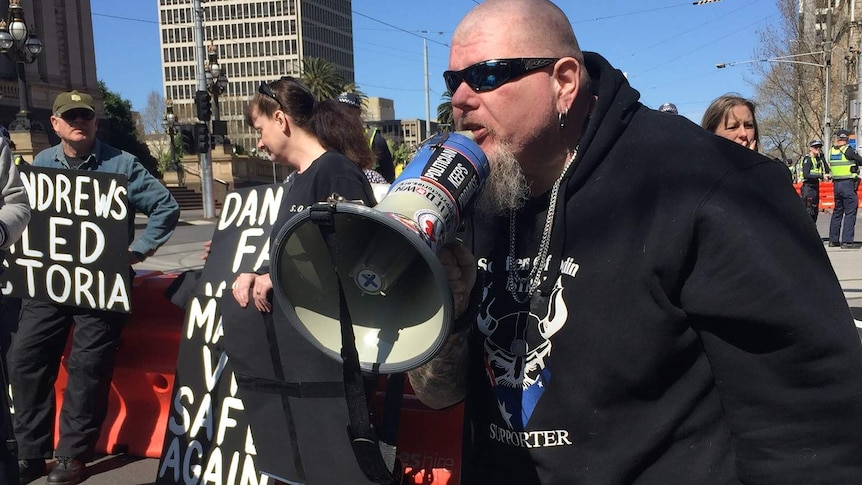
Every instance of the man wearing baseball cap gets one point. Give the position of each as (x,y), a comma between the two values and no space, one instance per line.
(844,163)
(813,170)
(43,327)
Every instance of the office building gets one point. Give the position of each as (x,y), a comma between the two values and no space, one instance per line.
(256,41)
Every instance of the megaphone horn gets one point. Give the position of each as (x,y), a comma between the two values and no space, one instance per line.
(395,288)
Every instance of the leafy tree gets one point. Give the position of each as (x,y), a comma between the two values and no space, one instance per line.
(120,130)
(790,93)
(444,109)
(322,78)
(403,153)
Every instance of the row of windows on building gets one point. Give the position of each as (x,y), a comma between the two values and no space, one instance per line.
(245,50)
(227,32)
(226,10)
(343,60)
(323,34)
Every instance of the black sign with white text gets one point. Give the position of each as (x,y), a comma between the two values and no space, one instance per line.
(208,439)
(75,249)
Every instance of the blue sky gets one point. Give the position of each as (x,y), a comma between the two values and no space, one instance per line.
(668,48)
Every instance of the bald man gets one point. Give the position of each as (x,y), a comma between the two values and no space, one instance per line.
(634,318)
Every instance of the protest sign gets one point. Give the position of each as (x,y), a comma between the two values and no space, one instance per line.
(208,439)
(75,249)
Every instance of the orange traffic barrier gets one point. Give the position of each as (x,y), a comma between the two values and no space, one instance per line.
(827,195)
(139,403)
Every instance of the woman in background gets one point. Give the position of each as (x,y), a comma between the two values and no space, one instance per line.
(731,116)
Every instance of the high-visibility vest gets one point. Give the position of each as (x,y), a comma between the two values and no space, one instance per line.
(816,166)
(797,171)
(840,164)
(371,135)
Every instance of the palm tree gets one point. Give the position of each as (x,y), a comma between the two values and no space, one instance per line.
(322,78)
(444,110)
(353,88)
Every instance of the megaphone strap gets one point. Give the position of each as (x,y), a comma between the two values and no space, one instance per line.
(309,389)
(376,459)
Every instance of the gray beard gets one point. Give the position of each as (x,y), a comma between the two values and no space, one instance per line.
(506,188)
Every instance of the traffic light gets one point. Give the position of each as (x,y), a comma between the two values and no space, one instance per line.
(203,102)
(187,137)
(202,138)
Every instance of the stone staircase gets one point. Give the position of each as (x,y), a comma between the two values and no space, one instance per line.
(189,199)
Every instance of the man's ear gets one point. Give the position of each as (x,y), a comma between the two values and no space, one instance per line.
(567,75)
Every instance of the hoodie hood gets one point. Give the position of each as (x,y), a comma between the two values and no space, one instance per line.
(616,103)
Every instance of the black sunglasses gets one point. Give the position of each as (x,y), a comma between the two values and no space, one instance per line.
(74,114)
(267,91)
(491,74)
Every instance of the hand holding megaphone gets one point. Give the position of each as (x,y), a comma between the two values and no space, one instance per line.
(459,265)
(397,291)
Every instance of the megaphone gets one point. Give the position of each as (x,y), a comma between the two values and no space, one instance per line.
(394,286)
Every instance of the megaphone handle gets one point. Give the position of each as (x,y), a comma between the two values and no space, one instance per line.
(376,459)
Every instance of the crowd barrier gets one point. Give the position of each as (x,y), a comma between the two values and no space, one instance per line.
(429,443)
(827,195)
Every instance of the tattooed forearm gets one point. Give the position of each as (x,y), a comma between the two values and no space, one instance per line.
(441,382)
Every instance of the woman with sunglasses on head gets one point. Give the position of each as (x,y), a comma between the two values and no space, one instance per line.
(293,393)
(320,143)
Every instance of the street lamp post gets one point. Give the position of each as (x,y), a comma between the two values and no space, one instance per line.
(216,82)
(790,59)
(21,46)
(170,124)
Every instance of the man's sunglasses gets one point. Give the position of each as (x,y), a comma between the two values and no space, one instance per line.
(490,75)
(74,114)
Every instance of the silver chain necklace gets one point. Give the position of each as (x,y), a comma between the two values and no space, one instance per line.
(535,278)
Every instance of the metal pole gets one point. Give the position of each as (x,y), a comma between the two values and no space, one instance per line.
(859,91)
(827,53)
(23,103)
(427,92)
(206,157)
(215,92)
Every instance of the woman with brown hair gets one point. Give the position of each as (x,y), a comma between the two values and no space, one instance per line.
(325,147)
(293,394)
(731,116)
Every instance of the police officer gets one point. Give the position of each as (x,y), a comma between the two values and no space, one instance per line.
(844,163)
(814,169)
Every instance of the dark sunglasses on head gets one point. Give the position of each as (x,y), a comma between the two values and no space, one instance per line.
(74,114)
(267,91)
(490,75)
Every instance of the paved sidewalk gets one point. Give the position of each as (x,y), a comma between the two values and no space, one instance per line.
(847,264)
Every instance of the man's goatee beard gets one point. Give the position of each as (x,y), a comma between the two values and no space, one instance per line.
(507,188)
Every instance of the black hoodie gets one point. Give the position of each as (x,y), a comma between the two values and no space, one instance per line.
(670,342)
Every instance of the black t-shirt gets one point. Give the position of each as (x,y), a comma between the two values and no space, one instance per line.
(332,173)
